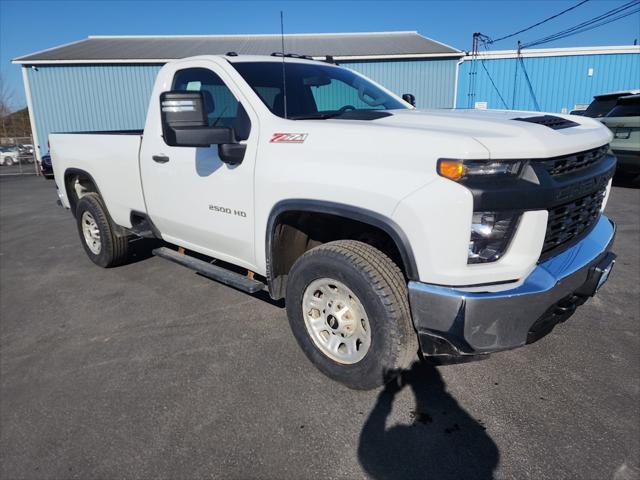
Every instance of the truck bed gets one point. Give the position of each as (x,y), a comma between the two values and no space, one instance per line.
(111,158)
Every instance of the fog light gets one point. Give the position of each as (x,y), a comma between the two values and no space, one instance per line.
(490,235)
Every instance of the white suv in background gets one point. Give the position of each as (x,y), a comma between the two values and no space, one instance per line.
(8,155)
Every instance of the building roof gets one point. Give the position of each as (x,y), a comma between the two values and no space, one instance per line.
(556,52)
(149,49)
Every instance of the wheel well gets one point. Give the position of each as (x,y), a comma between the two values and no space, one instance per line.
(77,184)
(295,232)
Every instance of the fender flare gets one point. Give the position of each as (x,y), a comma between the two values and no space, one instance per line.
(77,171)
(369,217)
(118,230)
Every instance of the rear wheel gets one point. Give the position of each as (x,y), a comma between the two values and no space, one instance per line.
(348,309)
(102,246)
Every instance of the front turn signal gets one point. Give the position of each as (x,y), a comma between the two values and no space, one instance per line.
(451,169)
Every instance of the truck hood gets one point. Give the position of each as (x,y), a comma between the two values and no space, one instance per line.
(503,135)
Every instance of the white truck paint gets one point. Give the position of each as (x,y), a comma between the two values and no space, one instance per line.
(385,167)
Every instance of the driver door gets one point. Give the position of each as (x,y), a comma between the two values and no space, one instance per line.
(195,199)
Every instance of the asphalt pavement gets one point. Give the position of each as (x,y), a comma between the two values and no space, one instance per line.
(23,167)
(151,371)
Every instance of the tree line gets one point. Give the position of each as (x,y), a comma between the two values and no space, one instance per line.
(12,123)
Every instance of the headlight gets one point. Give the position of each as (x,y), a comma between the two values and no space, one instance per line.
(458,169)
(490,235)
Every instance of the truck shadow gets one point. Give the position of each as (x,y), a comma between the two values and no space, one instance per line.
(443,441)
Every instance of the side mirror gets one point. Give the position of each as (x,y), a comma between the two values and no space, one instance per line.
(409,98)
(185,124)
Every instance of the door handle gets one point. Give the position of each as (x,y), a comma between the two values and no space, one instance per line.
(160,158)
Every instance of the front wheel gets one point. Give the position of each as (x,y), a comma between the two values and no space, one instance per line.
(102,246)
(348,308)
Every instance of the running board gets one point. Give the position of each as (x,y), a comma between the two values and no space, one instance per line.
(214,272)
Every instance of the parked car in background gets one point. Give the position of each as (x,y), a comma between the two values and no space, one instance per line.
(624,121)
(47,167)
(579,109)
(26,152)
(25,148)
(8,155)
(602,104)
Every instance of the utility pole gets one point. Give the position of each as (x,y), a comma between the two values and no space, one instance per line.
(473,70)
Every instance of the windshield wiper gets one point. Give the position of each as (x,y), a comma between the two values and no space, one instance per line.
(361,114)
(318,116)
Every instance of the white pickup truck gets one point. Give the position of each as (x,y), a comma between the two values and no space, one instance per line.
(390,231)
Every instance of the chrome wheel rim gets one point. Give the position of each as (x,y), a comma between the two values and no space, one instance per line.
(336,321)
(91,233)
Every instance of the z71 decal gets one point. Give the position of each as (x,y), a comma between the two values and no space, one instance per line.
(288,138)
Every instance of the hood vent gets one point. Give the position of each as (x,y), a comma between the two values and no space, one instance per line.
(555,123)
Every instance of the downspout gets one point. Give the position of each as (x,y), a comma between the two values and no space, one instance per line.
(32,121)
(455,82)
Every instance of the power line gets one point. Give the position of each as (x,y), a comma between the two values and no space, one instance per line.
(515,87)
(539,23)
(610,16)
(526,76)
(585,29)
(603,19)
(493,84)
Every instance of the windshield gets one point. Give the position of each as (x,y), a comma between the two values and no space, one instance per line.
(600,107)
(314,91)
(629,107)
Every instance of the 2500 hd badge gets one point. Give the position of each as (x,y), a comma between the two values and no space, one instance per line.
(227,210)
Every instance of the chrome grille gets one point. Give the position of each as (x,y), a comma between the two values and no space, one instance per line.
(576,161)
(572,219)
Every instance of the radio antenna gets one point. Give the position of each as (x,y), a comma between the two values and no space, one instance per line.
(284,79)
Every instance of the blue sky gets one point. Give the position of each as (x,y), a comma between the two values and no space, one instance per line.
(28,26)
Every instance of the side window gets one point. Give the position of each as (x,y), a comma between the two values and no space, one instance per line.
(625,110)
(221,105)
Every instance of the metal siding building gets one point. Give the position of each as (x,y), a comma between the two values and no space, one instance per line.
(431,81)
(90,97)
(104,83)
(560,78)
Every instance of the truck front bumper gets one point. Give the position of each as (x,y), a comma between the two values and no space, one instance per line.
(455,322)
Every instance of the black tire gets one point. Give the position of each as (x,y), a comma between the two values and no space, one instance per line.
(114,249)
(381,289)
